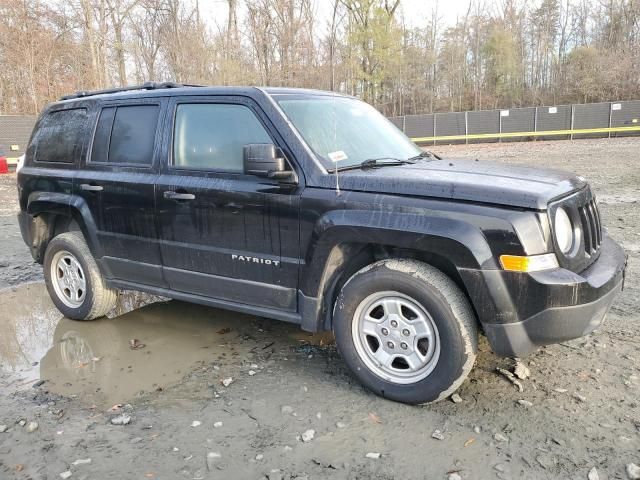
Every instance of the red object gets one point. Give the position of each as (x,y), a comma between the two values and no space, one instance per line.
(4,166)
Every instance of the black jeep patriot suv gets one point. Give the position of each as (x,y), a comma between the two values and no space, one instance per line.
(310,207)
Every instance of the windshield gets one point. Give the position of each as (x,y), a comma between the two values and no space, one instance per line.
(344,131)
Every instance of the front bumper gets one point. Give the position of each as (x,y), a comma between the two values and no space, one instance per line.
(522,311)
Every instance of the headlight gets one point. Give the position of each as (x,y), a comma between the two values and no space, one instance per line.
(20,163)
(563,230)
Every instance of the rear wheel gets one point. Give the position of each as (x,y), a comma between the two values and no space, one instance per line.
(73,279)
(406,331)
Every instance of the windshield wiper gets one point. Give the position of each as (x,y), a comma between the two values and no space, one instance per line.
(424,154)
(374,163)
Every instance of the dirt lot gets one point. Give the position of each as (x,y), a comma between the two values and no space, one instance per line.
(584,395)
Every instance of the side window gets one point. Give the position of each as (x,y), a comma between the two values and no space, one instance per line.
(102,137)
(60,136)
(125,135)
(209,136)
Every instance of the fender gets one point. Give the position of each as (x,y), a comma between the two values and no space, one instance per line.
(463,243)
(68,205)
(337,234)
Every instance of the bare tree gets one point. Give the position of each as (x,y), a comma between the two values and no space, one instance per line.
(119,12)
(147,39)
(498,53)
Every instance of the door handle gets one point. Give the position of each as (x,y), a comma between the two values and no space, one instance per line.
(90,188)
(178,196)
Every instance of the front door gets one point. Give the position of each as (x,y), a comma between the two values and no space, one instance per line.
(224,234)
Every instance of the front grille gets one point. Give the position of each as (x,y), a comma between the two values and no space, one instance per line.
(583,211)
(591,228)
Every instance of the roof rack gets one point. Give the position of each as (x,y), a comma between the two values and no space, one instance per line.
(144,86)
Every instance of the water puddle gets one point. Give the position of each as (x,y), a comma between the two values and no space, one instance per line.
(28,319)
(109,361)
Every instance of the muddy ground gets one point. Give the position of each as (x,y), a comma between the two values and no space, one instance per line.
(585,394)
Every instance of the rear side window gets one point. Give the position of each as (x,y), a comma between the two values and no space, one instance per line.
(102,137)
(126,135)
(60,136)
(210,136)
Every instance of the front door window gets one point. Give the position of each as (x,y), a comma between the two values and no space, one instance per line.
(210,136)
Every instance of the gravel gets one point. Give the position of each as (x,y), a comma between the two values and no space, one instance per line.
(633,471)
(554,438)
(122,419)
(308,435)
(212,458)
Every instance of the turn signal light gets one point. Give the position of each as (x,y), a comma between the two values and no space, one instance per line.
(533,263)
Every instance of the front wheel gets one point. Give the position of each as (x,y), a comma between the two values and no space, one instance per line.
(406,331)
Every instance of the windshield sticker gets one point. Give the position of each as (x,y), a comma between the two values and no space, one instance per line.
(337,156)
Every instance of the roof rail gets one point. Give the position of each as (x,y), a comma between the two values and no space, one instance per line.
(144,86)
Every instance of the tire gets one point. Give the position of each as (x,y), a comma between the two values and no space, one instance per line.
(431,347)
(73,279)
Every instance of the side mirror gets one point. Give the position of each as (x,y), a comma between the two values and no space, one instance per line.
(264,160)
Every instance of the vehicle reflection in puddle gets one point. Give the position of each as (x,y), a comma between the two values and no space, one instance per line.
(113,360)
(27,322)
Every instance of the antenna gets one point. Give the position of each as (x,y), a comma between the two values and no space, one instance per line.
(339,155)
(337,158)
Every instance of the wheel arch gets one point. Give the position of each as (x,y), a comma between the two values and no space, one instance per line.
(56,213)
(345,259)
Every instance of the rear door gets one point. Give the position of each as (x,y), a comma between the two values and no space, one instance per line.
(117,181)
(224,234)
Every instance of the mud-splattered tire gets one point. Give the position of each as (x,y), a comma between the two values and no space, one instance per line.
(73,279)
(406,331)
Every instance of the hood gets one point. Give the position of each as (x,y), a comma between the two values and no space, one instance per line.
(479,181)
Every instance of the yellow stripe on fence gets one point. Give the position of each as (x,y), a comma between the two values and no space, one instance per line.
(547,133)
